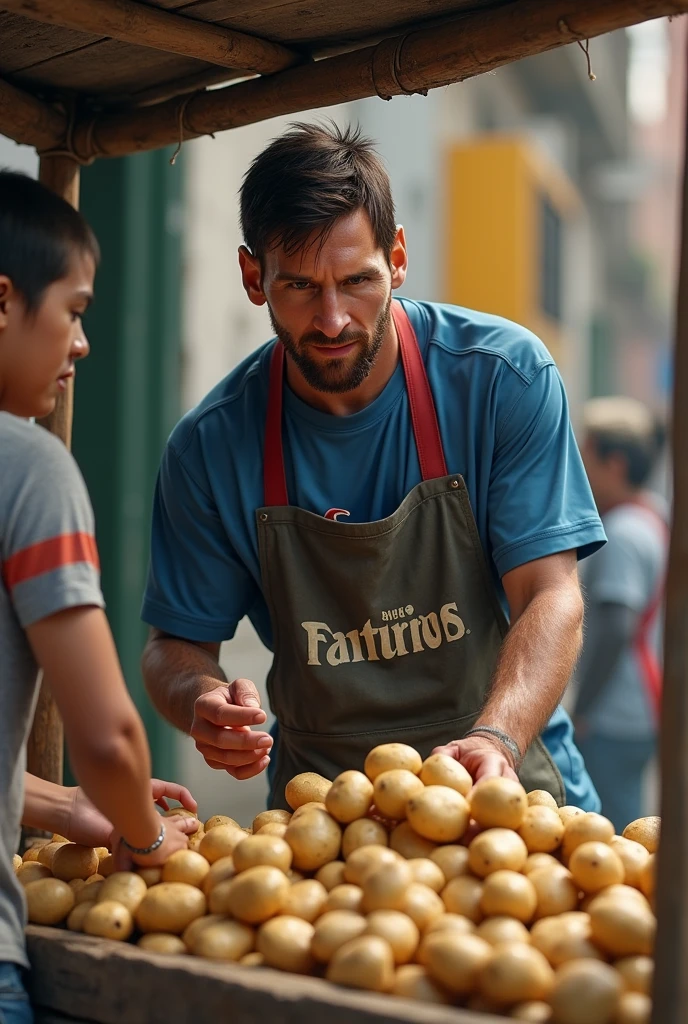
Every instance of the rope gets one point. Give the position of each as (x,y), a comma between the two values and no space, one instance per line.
(585,47)
(67,148)
(386,68)
(181,112)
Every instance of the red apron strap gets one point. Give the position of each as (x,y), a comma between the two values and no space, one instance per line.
(423,415)
(647,658)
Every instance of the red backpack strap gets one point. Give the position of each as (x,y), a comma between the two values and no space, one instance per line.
(274,478)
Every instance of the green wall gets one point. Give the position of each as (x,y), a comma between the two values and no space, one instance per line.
(127,392)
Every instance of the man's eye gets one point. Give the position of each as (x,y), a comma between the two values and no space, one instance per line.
(357,279)
(76,316)
(300,286)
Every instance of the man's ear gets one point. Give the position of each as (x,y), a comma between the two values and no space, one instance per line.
(7,294)
(252,276)
(398,258)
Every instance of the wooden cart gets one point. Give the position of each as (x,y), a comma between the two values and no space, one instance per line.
(85,79)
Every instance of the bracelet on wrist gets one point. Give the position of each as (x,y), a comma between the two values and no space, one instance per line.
(143,851)
(503,738)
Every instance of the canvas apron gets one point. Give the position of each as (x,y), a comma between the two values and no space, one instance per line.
(384,631)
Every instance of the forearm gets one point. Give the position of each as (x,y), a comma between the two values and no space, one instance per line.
(176,673)
(46,805)
(535,664)
(609,631)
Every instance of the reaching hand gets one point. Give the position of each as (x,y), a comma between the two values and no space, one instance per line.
(86,825)
(221,729)
(482,757)
(177,832)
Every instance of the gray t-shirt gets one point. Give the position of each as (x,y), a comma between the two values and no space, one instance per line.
(48,562)
(627,571)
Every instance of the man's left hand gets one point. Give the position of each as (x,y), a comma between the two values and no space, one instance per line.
(86,825)
(481,757)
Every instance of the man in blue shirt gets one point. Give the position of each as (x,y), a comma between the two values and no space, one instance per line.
(381,489)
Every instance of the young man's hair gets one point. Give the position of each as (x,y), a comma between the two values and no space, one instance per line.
(625,427)
(306,180)
(39,235)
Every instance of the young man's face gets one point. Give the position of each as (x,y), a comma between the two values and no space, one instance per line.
(38,349)
(330,301)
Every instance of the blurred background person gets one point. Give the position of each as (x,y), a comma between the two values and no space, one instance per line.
(619,674)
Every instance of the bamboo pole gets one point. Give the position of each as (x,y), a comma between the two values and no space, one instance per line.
(133,22)
(28,120)
(670,998)
(44,755)
(424,58)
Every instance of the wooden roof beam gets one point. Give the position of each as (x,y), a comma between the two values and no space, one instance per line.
(421,59)
(28,120)
(132,22)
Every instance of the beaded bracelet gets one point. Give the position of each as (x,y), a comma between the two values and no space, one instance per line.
(142,851)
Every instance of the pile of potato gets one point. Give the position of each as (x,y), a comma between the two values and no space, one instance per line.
(407,880)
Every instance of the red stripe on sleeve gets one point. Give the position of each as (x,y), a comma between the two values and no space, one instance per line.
(47,555)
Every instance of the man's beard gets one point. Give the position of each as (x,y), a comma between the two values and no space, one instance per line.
(335,375)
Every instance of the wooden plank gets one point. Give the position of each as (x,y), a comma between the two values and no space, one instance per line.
(424,59)
(27,43)
(132,22)
(110,982)
(28,120)
(671,978)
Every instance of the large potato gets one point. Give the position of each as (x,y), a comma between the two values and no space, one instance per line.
(390,756)
(262,850)
(405,840)
(585,828)
(47,853)
(224,940)
(364,859)
(363,832)
(541,798)
(219,819)
(637,973)
(428,872)
(193,930)
(452,860)
(220,841)
(594,866)
(31,871)
(541,829)
(109,920)
(384,888)
(269,817)
(620,927)
(422,905)
(496,849)
(170,907)
(366,962)
(77,915)
(74,861)
(454,960)
(442,770)
(633,856)
(585,992)
(515,974)
(502,930)
(48,900)
(398,930)
(438,813)
(564,938)
(556,891)
(285,943)
(333,930)
(645,831)
(253,896)
(306,788)
(344,897)
(331,874)
(315,839)
(509,894)
(125,887)
(220,871)
(306,899)
(392,791)
(186,866)
(498,803)
(463,895)
(349,796)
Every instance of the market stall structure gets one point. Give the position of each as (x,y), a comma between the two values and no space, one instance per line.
(87,79)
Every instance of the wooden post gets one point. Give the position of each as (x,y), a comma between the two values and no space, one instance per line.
(46,742)
(671,977)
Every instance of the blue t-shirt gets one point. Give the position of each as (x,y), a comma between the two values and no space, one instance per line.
(505,427)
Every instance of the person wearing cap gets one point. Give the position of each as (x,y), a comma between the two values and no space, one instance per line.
(389,489)
(619,674)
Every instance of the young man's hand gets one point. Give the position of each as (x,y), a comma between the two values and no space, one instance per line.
(86,825)
(177,832)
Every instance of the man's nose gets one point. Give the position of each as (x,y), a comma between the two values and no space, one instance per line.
(80,347)
(332,317)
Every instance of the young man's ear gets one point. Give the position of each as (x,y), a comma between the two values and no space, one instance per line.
(6,294)
(398,258)
(252,276)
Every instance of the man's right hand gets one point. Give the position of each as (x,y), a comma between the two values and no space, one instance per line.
(222,729)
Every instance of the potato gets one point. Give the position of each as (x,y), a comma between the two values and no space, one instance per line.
(585,828)
(75,921)
(541,829)
(621,927)
(125,887)
(515,974)
(365,962)
(633,856)
(498,803)
(422,905)
(220,841)
(463,895)
(349,797)
(540,860)
(391,756)
(499,930)
(633,1008)
(384,888)
(454,961)
(363,832)
(617,892)
(331,875)
(186,866)
(541,798)
(645,831)
(451,922)
(564,938)
(333,930)
(193,930)
(428,872)
(438,813)
(88,893)
(310,805)
(48,900)
(170,907)
(509,894)
(393,789)
(306,899)
(46,854)
(595,866)
(411,981)
(344,897)
(109,920)
(31,855)
(151,876)
(534,1011)
(556,891)
(568,812)
(365,859)
(220,871)
(405,841)
(31,871)
(585,992)
(273,828)
(452,860)
(224,940)
(496,849)
(219,819)
(285,943)
(262,850)
(398,930)
(106,867)
(315,839)
(647,878)
(253,960)
(270,817)
(637,973)
(253,896)
(161,942)
(305,788)
(442,770)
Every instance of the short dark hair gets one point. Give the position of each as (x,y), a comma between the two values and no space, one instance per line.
(622,426)
(39,234)
(639,453)
(306,180)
